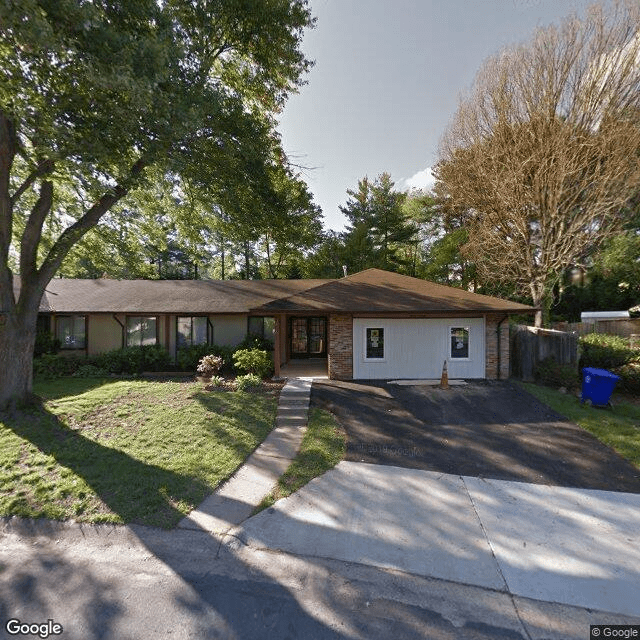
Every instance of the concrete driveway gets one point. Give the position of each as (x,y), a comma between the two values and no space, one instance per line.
(484,429)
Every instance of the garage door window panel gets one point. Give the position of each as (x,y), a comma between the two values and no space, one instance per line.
(459,343)
(374,347)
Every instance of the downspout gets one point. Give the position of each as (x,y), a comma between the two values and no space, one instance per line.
(115,317)
(210,336)
(499,345)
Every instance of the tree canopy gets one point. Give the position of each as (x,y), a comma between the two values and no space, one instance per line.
(545,150)
(380,231)
(93,94)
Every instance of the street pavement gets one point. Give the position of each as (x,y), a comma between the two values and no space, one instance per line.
(365,551)
(108,582)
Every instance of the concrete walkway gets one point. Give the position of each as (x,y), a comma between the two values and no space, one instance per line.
(575,547)
(234,501)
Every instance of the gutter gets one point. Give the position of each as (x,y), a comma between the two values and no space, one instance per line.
(499,345)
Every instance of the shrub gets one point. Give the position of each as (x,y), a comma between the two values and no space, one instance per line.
(551,374)
(45,343)
(604,351)
(629,378)
(134,359)
(209,365)
(609,352)
(154,358)
(254,341)
(188,358)
(249,381)
(90,371)
(254,361)
(49,365)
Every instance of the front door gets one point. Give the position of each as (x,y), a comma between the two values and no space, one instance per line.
(308,337)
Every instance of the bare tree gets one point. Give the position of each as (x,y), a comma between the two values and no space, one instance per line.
(545,150)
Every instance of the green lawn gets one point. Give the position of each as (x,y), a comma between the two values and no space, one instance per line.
(618,427)
(127,450)
(323,446)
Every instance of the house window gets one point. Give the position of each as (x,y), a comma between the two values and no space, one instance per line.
(71,331)
(263,326)
(374,343)
(141,331)
(192,330)
(43,324)
(459,342)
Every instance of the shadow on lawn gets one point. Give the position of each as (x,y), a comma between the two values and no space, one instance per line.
(59,387)
(133,490)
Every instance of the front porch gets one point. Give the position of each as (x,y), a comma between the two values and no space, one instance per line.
(301,346)
(307,369)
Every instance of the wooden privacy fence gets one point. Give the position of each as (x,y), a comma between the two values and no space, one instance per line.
(625,327)
(531,345)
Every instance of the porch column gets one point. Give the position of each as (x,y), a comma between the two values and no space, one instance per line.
(276,347)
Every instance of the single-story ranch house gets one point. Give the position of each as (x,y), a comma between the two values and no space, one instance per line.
(369,325)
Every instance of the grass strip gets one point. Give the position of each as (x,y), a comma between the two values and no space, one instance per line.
(617,427)
(323,446)
(127,450)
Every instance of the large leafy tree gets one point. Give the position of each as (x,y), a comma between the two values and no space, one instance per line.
(545,151)
(92,94)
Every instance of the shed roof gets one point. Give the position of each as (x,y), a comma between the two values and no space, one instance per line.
(378,291)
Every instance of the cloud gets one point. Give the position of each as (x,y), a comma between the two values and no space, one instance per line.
(422,181)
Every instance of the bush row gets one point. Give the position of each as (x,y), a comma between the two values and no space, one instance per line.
(135,360)
(614,354)
(130,360)
(606,352)
(188,357)
(600,351)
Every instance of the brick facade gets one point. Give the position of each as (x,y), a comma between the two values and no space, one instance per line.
(491,347)
(340,352)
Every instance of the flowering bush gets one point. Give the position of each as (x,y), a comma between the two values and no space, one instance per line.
(209,365)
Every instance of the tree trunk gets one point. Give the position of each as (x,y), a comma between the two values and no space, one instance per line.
(17,338)
(247,265)
(542,299)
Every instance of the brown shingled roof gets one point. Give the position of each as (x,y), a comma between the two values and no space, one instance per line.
(377,291)
(166,296)
(371,291)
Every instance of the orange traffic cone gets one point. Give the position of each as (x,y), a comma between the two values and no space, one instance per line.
(444,380)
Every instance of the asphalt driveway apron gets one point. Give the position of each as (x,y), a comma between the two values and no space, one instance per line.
(484,429)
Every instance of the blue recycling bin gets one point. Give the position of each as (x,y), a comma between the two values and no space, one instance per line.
(598,385)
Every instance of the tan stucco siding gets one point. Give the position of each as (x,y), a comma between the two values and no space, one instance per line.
(105,334)
(228,330)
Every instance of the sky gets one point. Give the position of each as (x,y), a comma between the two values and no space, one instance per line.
(387,79)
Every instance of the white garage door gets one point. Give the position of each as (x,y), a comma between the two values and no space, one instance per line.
(390,348)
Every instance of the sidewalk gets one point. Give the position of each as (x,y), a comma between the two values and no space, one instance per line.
(576,547)
(234,501)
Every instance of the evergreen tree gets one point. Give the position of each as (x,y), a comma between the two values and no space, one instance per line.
(380,232)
